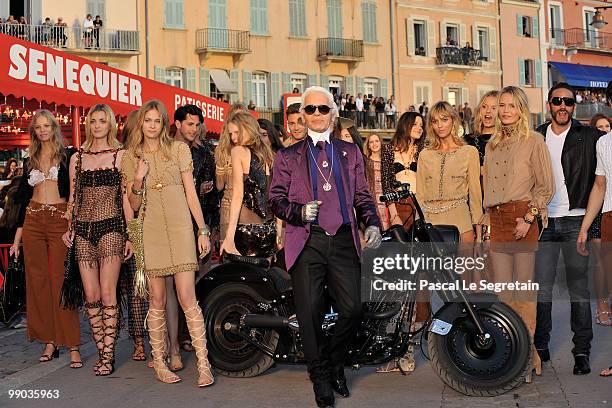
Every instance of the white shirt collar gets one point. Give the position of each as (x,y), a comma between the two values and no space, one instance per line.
(317,137)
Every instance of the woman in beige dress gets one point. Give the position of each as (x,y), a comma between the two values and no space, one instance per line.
(161,170)
(518,184)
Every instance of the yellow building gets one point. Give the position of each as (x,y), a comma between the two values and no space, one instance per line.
(446,50)
(259,49)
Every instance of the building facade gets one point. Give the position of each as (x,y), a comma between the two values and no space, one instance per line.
(579,53)
(524,54)
(256,50)
(446,50)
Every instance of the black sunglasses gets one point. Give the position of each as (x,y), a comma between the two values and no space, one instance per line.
(311,109)
(558,100)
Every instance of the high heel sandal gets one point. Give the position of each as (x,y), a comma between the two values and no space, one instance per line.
(48,357)
(107,366)
(176,363)
(195,324)
(75,363)
(139,350)
(96,323)
(156,324)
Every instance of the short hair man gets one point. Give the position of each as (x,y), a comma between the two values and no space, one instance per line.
(295,122)
(572,148)
(322,248)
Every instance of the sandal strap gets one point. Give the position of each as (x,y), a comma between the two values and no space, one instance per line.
(157,339)
(195,323)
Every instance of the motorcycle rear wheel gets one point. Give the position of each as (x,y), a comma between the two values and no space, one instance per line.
(230,354)
(471,369)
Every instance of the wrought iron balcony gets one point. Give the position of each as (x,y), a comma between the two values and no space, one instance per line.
(77,39)
(580,39)
(340,49)
(221,40)
(459,57)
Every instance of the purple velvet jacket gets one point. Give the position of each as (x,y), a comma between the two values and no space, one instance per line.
(291,188)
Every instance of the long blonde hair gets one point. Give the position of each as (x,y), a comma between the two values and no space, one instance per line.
(57,140)
(128,126)
(519,98)
(443,109)
(136,137)
(249,137)
(111,138)
(478,125)
(366,146)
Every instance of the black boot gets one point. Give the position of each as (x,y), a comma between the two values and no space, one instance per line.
(324,395)
(581,365)
(338,382)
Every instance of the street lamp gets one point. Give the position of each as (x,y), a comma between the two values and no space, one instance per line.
(598,19)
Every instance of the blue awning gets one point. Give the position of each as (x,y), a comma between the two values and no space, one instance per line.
(584,76)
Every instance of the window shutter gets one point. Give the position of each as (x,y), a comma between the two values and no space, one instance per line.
(190,83)
(418,91)
(286,83)
(536,27)
(204,82)
(445,93)
(521,66)
(349,84)
(169,11)
(425,95)
(234,79)
(493,41)
(324,81)
(383,88)
(431,38)
(360,85)
(254,17)
(159,74)
(293,18)
(263,10)
(246,86)
(410,36)
(312,80)
(519,25)
(538,73)
(179,13)
(475,43)
(275,90)
(462,35)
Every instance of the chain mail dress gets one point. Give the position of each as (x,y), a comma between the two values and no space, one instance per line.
(169,243)
(99,223)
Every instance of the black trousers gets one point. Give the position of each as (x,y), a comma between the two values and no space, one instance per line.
(332,262)
(563,232)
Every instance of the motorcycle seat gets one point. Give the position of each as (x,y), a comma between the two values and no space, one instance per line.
(251,260)
(281,279)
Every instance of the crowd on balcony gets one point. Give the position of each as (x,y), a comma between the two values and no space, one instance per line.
(590,96)
(53,34)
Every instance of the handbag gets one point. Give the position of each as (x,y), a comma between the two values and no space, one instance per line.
(135,230)
(13,289)
(72,294)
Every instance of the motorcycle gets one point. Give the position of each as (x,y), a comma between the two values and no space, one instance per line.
(476,344)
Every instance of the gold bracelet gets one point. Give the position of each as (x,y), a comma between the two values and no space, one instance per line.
(204,230)
(137,191)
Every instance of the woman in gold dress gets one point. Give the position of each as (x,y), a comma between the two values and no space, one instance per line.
(161,170)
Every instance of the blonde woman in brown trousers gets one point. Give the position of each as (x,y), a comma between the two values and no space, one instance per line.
(42,194)
(518,184)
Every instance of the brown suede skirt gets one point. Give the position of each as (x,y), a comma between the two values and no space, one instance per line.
(606,227)
(503,223)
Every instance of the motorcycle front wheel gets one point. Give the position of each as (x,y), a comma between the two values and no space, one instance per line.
(476,368)
(229,353)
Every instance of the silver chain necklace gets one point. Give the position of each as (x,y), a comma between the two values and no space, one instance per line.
(326,186)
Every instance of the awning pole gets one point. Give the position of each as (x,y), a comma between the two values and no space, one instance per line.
(76,127)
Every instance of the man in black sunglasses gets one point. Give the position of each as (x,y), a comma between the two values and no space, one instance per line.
(319,188)
(572,148)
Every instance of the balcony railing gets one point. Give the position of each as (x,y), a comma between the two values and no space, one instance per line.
(339,48)
(450,55)
(219,39)
(580,38)
(76,38)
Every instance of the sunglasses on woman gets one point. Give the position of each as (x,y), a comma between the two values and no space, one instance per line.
(558,100)
(311,109)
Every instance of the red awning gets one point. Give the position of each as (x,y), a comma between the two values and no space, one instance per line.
(33,71)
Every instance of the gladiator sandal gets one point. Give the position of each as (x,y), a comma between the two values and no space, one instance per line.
(156,323)
(94,312)
(195,324)
(109,316)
